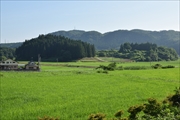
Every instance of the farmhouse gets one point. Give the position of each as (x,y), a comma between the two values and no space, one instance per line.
(31,66)
(8,65)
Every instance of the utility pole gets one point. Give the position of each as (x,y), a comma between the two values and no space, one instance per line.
(39,59)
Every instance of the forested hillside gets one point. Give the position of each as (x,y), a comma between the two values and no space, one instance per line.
(11,45)
(52,48)
(112,40)
(141,52)
(6,52)
(146,52)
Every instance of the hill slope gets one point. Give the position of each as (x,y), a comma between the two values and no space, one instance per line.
(113,40)
(54,48)
(11,45)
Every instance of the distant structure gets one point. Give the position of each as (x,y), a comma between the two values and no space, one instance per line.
(13,65)
(8,65)
(39,60)
(31,66)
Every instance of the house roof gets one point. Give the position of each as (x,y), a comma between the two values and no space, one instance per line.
(8,62)
(31,63)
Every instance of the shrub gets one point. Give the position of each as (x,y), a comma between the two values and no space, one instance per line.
(120,68)
(169,66)
(48,118)
(118,114)
(175,99)
(169,109)
(136,68)
(134,110)
(157,66)
(102,71)
(153,107)
(98,116)
(110,67)
(105,71)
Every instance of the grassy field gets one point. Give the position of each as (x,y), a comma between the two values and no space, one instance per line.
(73,93)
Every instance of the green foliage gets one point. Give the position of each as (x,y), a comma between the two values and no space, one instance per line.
(119,114)
(141,52)
(6,53)
(152,108)
(3,58)
(101,54)
(102,71)
(98,116)
(136,67)
(157,66)
(109,40)
(147,52)
(52,48)
(110,67)
(120,68)
(134,110)
(48,118)
(168,66)
(175,99)
(11,45)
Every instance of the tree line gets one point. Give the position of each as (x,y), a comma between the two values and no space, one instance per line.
(7,53)
(54,48)
(142,52)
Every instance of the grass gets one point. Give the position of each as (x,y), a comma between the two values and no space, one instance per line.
(120,62)
(73,93)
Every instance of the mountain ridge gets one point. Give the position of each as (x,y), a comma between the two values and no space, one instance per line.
(113,39)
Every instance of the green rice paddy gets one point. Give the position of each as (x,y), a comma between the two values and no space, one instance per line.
(74,92)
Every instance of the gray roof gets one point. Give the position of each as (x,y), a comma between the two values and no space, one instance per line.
(8,62)
(31,63)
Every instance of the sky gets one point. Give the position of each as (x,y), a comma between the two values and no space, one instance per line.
(24,20)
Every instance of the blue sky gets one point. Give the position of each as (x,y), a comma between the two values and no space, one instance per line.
(23,20)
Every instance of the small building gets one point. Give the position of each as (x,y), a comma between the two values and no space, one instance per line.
(8,65)
(32,66)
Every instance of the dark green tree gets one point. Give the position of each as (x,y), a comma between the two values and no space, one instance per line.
(51,47)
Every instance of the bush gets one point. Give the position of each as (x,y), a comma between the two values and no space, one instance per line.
(118,114)
(136,68)
(98,116)
(175,99)
(157,66)
(134,110)
(153,107)
(110,67)
(102,71)
(120,68)
(153,110)
(48,118)
(169,66)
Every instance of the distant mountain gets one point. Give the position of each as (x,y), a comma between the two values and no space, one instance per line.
(113,40)
(11,45)
(92,37)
